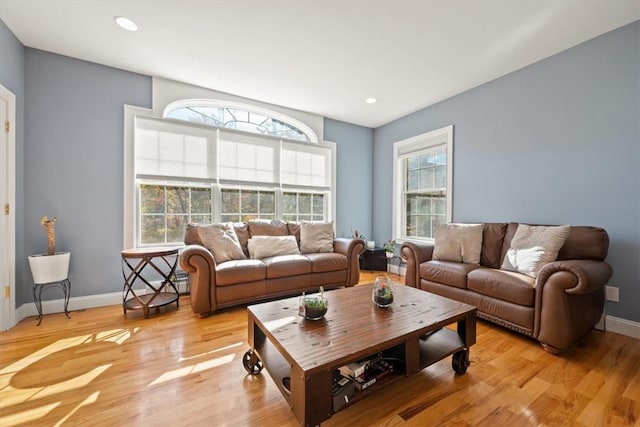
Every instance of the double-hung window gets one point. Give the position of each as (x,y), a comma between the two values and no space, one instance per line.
(423,178)
(192,168)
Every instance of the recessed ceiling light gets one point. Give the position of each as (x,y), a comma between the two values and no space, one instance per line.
(126,23)
(370,100)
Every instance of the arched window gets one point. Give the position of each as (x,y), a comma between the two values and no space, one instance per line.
(245,163)
(234,115)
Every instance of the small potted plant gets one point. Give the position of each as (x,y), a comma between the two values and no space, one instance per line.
(382,294)
(389,247)
(52,266)
(313,307)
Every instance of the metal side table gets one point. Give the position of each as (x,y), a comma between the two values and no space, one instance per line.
(163,262)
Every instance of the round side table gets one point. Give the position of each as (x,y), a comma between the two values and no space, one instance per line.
(163,262)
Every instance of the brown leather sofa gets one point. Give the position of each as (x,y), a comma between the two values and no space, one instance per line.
(216,285)
(558,307)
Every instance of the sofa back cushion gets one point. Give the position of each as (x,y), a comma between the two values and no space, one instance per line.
(242,231)
(262,227)
(492,238)
(585,242)
(191,236)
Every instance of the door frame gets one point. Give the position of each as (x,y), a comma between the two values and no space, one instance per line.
(8,223)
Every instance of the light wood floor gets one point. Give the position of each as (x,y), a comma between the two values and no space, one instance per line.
(103,369)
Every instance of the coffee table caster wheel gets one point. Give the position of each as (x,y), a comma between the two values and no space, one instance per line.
(459,362)
(252,362)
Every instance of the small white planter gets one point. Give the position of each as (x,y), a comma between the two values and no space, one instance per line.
(49,268)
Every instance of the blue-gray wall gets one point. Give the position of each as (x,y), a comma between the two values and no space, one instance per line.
(12,74)
(557,142)
(354,158)
(73,164)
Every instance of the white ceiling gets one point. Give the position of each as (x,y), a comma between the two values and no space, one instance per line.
(323,57)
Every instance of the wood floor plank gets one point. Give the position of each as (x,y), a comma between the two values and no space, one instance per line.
(101,368)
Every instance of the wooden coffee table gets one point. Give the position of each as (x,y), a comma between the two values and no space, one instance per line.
(302,355)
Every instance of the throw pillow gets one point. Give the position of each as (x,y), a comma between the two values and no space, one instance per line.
(533,246)
(316,237)
(222,241)
(267,246)
(458,242)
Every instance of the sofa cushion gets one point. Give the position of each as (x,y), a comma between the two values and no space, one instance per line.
(267,246)
(585,242)
(492,238)
(263,227)
(222,242)
(287,265)
(533,246)
(242,231)
(294,230)
(191,236)
(316,237)
(447,272)
(505,285)
(240,271)
(323,262)
(458,242)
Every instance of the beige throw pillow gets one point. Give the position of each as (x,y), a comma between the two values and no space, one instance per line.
(458,242)
(267,246)
(316,237)
(222,241)
(533,246)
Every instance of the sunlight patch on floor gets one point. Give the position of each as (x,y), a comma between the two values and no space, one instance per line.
(192,369)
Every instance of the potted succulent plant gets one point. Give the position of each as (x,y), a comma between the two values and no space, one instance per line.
(51,266)
(313,307)
(389,247)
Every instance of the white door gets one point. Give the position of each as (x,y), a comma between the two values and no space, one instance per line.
(7,206)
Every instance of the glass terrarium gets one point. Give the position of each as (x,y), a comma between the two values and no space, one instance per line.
(382,294)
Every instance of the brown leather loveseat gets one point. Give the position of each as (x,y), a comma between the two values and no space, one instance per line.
(558,306)
(215,284)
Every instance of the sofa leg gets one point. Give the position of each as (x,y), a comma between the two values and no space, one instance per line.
(551,349)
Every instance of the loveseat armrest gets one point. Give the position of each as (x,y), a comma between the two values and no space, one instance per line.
(201,266)
(591,275)
(569,301)
(415,253)
(351,248)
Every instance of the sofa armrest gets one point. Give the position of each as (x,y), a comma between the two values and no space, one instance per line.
(352,248)
(201,266)
(569,301)
(415,253)
(589,275)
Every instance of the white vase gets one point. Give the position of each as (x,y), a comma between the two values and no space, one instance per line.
(49,268)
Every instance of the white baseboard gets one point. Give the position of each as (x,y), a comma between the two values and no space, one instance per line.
(622,326)
(75,303)
(402,271)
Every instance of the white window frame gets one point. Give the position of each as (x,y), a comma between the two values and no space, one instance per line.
(410,147)
(131,181)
